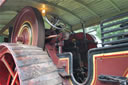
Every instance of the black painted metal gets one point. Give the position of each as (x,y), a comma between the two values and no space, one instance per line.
(85,39)
(10,33)
(115,35)
(115,23)
(116,41)
(115,30)
(113,79)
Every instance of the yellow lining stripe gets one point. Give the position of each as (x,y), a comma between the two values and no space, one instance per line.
(126,73)
(30,34)
(63,59)
(107,54)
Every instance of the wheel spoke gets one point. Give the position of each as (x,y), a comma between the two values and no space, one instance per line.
(9,78)
(14,79)
(9,68)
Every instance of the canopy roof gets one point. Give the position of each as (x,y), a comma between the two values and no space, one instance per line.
(72,12)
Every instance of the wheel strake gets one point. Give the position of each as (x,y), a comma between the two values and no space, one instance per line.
(26,65)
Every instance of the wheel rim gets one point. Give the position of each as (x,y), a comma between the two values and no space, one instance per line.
(29,28)
(8,71)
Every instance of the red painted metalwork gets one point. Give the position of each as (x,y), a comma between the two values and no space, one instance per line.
(7,68)
(14,79)
(80,36)
(2,2)
(51,47)
(52,50)
(109,65)
(9,79)
(29,28)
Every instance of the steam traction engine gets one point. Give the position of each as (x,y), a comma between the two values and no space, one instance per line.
(39,56)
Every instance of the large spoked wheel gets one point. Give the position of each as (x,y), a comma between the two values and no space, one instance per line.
(33,65)
(26,65)
(29,28)
(9,75)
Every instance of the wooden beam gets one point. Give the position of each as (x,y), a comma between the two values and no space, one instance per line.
(60,7)
(90,10)
(2,25)
(65,22)
(7,8)
(6,18)
(96,21)
(114,5)
(4,35)
(14,8)
(89,23)
(4,22)
(6,26)
(8,14)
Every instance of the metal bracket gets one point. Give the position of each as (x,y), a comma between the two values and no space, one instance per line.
(113,79)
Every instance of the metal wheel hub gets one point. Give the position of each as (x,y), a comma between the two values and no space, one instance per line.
(25,34)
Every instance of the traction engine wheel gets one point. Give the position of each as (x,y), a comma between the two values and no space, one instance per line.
(29,28)
(34,66)
(26,65)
